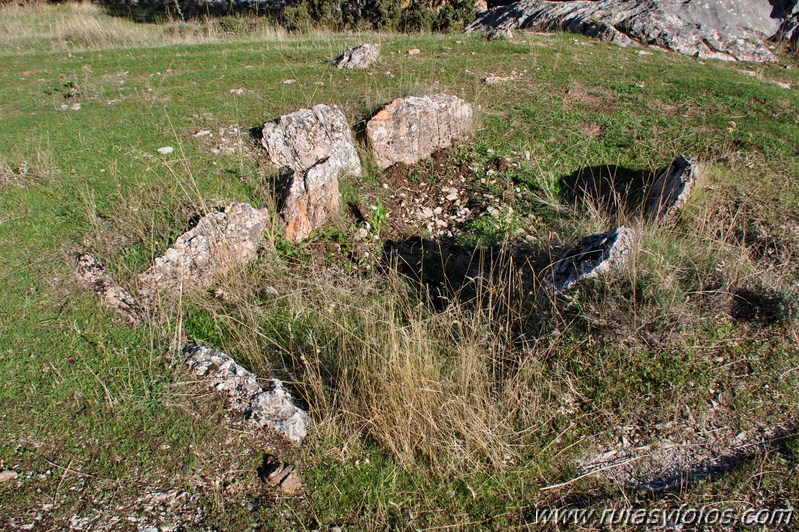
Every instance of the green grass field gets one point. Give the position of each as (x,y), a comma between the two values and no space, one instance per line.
(471,414)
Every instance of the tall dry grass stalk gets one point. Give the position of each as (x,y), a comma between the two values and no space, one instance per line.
(86,26)
(372,359)
(686,273)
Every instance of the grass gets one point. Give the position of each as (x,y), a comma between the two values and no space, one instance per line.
(451,401)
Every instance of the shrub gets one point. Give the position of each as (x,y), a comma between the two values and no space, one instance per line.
(418,15)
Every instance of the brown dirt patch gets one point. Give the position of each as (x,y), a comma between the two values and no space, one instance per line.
(592,99)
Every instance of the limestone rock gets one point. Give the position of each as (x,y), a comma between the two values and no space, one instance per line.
(410,129)
(310,197)
(7,475)
(220,242)
(671,190)
(271,408)
(299,140)
(593,255)
(722,29)
(91,273)
(358,57)
(499,34)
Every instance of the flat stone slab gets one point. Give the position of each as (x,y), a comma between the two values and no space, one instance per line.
(593,255)
(361,56)
(671,190)
(409,129)
(300,140)
(273,407)
(220,242)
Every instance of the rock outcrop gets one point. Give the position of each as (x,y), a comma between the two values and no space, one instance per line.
(671,190)
(220,242)
(310,197)
(358,57)
(722,29)
(300,140)
(271,408)
(593,255)
(790,27)
(92,274)
(410,129)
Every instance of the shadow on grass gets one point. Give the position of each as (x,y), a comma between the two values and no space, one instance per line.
(610,188)
(505,280)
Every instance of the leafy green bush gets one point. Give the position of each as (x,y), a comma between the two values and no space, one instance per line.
(418,15)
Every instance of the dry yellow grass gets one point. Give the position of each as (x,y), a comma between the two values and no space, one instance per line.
(77,26)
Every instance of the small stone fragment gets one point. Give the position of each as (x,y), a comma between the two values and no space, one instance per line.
(92,274)
(166,150)
(414,51)
(358,57)
(499,34)
(7,475)
(283,477)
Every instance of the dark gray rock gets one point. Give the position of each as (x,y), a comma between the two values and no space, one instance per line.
(671,190)
(593,255)
(273,408)
(721,29)
(358,57)
(790,28)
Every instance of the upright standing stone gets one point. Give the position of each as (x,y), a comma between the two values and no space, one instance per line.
(410,129)
(670,192)
(299,140)
(309,199)
(316,146)
(592,256)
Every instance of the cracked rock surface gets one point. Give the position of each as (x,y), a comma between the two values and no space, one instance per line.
(410,129)
(300,140)
(733,30)
(309,199)
(271,408)
(593,255)
(220,242)
(670,192)
(358,57)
